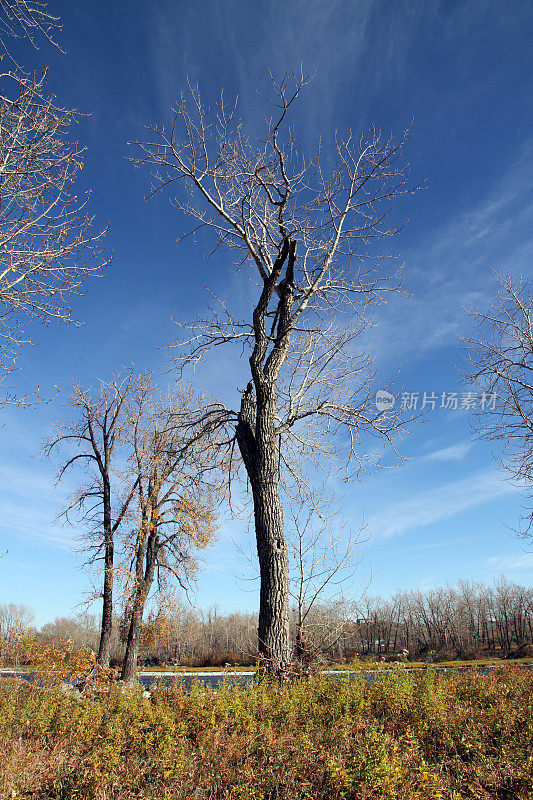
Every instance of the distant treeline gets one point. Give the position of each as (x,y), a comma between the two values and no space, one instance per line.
(464,621)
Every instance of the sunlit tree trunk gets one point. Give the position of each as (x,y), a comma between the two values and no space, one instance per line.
(257,441)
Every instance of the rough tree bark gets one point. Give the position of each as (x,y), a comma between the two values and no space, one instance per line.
(106,628)
(257,440)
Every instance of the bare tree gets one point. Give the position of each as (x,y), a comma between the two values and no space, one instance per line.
(95,440)
(15,619)
(48,241)
(175,493)
(304,236)
(14,616)
(324,556)
(82,630)
(467,621)
(500,365)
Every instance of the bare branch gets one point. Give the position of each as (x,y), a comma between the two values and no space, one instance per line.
(48,244)
(500,364)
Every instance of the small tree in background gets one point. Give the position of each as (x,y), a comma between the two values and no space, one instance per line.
(15,619)
(324,556)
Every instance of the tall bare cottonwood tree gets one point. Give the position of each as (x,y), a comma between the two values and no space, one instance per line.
(304,236)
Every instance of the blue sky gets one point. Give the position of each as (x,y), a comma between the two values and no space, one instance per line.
(463,70)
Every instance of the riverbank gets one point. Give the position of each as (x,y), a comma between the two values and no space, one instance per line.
(241,676)
(350,666)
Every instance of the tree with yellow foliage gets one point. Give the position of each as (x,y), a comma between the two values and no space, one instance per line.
(177,484)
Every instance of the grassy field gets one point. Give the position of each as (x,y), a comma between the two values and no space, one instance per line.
(410,735)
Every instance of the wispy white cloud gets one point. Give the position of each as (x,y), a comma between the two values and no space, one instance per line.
(25,522)
(416,549)
(455,452)
(324,37)
(524,561)
(438,504)
(448,268)
(29,503)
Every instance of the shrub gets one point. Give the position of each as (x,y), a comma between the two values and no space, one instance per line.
(402,737)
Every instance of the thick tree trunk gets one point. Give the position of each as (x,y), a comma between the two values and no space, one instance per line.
(258,444)
(273,628)
(104,649)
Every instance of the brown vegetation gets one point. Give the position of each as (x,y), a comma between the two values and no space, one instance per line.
(402,736)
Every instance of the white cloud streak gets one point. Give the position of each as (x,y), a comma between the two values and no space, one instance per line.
(449,268)
(524,561)
(455,452)
(438,504)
